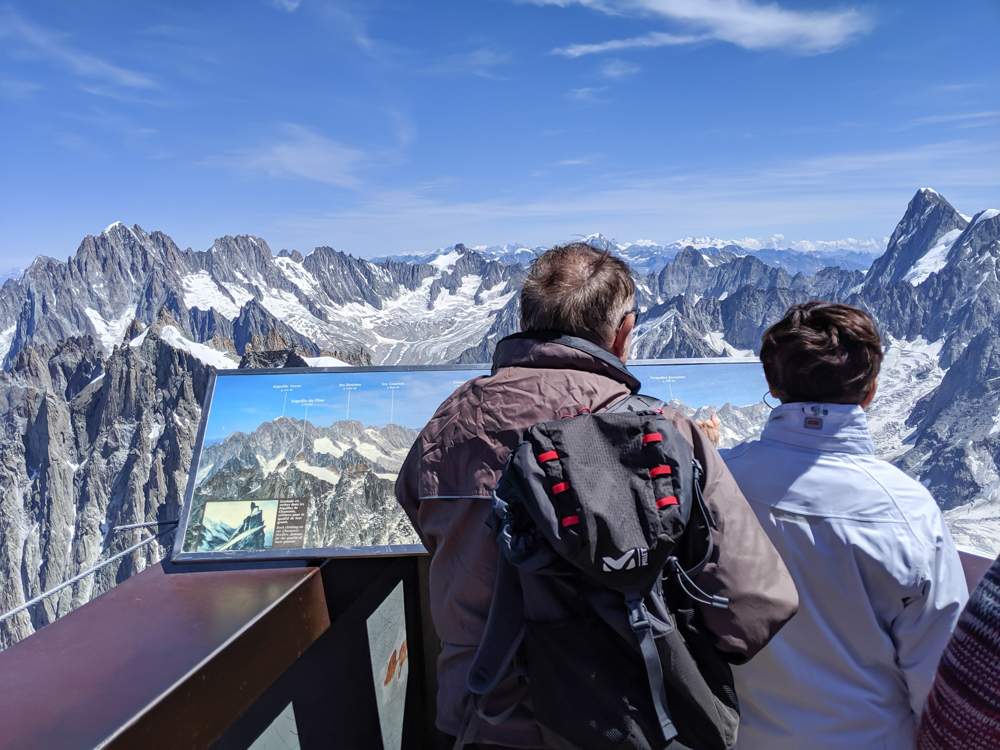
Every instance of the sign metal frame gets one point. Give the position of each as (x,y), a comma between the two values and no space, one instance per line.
(178,555)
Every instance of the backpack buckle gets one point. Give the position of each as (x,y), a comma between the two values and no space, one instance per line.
(638,615)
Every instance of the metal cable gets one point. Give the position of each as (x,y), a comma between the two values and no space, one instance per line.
(143,525)
(81,576)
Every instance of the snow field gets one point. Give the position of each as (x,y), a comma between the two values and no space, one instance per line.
(909,371)
(6,339)
(206,354)
(933,260)
(325,362)
(716,340)
(325,445)
(201,291)
(327,475)
(299,276)
(110,332)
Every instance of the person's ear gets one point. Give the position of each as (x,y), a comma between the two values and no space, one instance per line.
(623,339)
(871,395)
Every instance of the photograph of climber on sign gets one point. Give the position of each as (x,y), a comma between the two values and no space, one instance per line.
(237,525)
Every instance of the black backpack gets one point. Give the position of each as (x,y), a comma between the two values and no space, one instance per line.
(594,605)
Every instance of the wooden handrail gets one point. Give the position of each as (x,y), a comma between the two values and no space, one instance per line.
(165,659)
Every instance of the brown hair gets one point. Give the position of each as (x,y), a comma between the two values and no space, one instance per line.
(578,290)
(822,351)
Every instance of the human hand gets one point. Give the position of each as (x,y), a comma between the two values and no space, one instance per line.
(710,427)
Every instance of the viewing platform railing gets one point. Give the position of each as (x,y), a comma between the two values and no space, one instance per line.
(248,655)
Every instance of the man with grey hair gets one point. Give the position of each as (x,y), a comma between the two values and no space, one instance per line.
(577,316)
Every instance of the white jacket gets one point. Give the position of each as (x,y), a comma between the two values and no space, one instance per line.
(880,586)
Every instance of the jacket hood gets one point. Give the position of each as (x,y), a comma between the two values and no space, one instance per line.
(839,428)
(551,349)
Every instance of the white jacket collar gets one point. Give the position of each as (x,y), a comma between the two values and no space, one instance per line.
(840,428)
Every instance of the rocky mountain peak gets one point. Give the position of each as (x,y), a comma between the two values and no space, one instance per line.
(166,318)
(223,344)
(927,219)
(271,342)
(272,351)
(360,358)
(244,251)
(600,242)
(255,320)
(133,330)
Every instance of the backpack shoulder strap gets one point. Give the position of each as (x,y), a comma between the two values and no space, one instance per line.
(638,617)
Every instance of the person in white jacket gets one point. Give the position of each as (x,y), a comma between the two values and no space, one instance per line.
(880,581)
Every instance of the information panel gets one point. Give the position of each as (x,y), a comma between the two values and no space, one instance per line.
(303,462)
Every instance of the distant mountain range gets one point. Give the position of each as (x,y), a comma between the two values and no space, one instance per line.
(106,359)
(11,273)
(647,257)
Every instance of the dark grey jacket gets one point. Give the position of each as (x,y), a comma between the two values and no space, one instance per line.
(446,485)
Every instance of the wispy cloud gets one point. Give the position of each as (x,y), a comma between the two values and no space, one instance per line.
(952,162)
(301,153)
(289,6)
(653,39)
(482,62)
(744,23)
(615,68)
(588,95)
(347,24)
(53,46)
(949,88)
(967,118)
(572,162)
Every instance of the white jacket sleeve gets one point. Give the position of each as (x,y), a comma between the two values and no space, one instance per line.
(921,631)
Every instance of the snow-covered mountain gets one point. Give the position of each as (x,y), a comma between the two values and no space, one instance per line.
(11,273)
(106,357)
(516,254)
(646,256)
(356,310)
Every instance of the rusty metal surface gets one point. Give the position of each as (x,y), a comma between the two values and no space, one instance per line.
(161,660)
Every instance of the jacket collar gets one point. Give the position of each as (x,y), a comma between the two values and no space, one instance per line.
(553,350)
(839,428)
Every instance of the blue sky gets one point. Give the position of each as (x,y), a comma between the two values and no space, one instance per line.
(394,127)
(244,402)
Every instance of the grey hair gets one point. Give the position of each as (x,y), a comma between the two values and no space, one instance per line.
(578,290)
